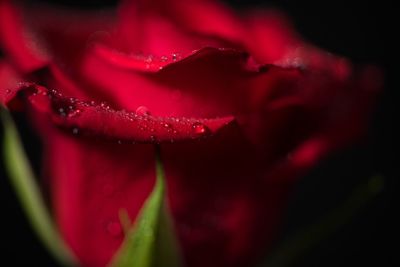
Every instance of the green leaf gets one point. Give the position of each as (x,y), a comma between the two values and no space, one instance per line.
(28,193)
(293,248)
(151,241)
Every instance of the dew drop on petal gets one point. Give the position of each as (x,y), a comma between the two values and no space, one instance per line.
(104,105)
(200,129)
(61,111)
(175,56)
(142,111)
(75,130)
(149,59)
(73,111)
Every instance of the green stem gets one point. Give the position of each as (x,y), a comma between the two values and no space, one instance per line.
(23,180)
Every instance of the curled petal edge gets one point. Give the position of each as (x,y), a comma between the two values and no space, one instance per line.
(82,118)
(152,64)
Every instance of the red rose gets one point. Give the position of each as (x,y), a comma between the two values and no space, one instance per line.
(241,107)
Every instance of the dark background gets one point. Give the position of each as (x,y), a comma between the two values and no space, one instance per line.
(359,30)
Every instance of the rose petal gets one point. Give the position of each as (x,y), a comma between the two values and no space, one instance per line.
(20,41)
(79,29)
(163,28)
(226,192)
(227,82)
(270,36)
(170,91)
(9,82)
(216,211)
(91,182)
(99,120)
(155,64)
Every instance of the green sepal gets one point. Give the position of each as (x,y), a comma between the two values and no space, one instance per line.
(151,241)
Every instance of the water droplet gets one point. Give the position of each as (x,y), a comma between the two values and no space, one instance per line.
(8,91)
(75,130)
(142,111)
(114,228)
(166,125)
(73,111)
(200,129)
(175,56)
(149,59)
(61,111)
(104,105)
(119,142)
(164,58)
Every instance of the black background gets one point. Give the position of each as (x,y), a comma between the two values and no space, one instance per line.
(359,30)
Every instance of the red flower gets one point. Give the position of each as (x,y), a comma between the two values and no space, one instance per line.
(240,105)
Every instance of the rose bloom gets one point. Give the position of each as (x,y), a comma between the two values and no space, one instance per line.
(240,105)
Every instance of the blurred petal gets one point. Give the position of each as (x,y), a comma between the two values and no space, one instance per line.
(19,41)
